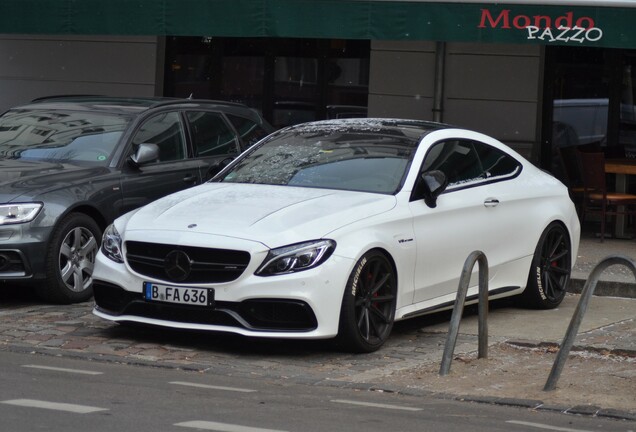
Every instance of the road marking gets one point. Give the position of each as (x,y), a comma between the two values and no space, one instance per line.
(222,427)
(234,389)
(544,426)
(375,405)
(76,371)
(31,403)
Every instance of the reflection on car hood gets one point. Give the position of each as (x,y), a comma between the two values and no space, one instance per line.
(24,178)
(272,215)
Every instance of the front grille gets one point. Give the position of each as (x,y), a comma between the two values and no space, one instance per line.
(205,265)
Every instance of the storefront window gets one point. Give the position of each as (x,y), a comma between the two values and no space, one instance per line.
(580,105)
(289,80)
(627,125)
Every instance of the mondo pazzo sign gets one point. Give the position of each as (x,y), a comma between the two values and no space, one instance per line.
(569,27)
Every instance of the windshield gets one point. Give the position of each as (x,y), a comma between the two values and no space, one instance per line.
(331,159)
(60,135)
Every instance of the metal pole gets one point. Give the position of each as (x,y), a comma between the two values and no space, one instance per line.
(482,328)
(573,328)
(458,309)
(438,92)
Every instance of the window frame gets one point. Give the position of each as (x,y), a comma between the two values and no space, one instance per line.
(191,137)
(452,187)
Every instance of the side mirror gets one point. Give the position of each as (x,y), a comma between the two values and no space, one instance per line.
(145,153)
(432,184)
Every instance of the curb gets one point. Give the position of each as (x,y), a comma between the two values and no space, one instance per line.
(604,288)
(535,405)
(618,352)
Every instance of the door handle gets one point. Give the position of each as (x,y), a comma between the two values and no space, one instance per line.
(491,202)
(189,178)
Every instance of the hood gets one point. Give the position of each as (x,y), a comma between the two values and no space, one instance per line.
(272,215)
(21,180)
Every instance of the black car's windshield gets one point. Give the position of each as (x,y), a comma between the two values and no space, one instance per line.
(332,158)
(60,135)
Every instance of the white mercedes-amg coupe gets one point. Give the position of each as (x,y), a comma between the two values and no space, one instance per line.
(337,229)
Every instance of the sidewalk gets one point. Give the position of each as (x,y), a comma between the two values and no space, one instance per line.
(599,376)
(615,281)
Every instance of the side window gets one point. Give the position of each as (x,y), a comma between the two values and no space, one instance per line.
(466,162)
(211,136)
(495,162)
(249,131)
(457,159)
(166,131)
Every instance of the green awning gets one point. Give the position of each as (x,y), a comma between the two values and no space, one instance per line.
(516,22)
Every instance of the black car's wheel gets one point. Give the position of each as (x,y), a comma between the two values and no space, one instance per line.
(70,260)
(368,304)
(550,271)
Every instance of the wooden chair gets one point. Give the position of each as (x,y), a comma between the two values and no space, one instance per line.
(597,199)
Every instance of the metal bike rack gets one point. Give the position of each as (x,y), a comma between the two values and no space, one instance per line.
(458,309)
(573,328)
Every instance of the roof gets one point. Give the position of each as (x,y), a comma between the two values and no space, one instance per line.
(411,129)
(123,104)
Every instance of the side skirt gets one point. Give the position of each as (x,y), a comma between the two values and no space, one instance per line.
(450,304)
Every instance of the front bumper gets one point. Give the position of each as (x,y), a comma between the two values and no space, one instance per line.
(23,252)
(256,315)
(301,305)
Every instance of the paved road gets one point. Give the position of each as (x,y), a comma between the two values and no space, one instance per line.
(58,393)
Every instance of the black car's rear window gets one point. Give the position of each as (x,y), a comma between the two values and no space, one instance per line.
(79,136)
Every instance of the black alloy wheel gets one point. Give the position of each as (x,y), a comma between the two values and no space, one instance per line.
(368,304)
(550,271)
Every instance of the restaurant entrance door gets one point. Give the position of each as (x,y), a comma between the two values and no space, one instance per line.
(590,105)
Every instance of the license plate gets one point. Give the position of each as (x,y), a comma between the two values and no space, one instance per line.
(180,295)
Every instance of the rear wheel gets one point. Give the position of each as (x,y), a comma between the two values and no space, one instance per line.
(70,260)
(368,304)
(550,270)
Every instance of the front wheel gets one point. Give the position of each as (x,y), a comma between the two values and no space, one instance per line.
(70,260)
(368,304)
(550,271)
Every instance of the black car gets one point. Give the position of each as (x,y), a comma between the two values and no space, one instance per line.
(70,165)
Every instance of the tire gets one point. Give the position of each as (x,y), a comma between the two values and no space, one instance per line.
(70,260)
(368,304)
(550,270)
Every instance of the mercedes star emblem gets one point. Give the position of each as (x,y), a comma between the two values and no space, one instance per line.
(177,265)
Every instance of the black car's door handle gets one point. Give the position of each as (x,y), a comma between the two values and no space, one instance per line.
(189,178)
(491,202)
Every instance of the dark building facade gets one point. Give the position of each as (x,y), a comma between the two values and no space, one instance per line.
(537,75)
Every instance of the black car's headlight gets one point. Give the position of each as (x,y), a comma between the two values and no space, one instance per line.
(296,257)
(111,244)
(18,213)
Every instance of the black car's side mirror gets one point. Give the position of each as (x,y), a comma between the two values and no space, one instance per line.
(429,187)
(145,153)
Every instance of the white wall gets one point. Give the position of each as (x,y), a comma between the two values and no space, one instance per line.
(36,66)
(491,88)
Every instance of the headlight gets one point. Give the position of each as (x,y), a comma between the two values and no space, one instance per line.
(296,257)
(111,244)
(18,213)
